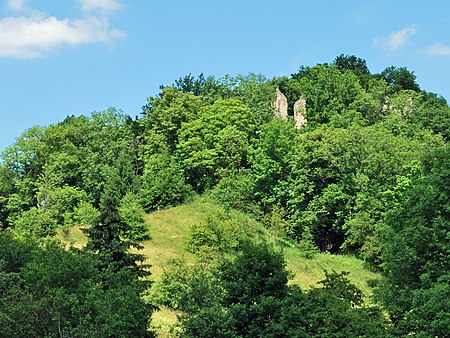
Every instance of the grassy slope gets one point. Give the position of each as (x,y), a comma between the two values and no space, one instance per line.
(170,230)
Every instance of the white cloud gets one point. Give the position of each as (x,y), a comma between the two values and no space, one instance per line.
(104,6)
(16,5)
(439,50)
(397,39)
(33,34)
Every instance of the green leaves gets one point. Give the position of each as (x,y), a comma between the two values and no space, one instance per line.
(50,291)
(215,144)
(417,255)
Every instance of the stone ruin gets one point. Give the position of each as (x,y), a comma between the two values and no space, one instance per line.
(300,113)
(280,105)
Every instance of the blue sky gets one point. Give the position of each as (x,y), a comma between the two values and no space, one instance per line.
(64,57)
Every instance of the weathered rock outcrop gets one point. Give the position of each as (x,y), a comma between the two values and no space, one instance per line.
(300,113)
(280,105)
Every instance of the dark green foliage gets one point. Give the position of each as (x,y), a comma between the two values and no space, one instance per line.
(356,65)
(257,302)
(258,271)
(341,180)
(276,221)
(337,285)
(188,288)
(236,192)
(51,292)
(434,114)
(107,240)
(163,183)
(400,78)
(353,63)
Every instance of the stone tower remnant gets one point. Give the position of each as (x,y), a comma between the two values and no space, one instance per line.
(280,105)
(300,113)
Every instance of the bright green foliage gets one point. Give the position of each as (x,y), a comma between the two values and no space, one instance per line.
(417,256)
(63,166)
(236,192)
(164,116)
(85,214)
(307,246)
(351,179)
(271,159)
(24,158)
(209,88)
(217,235)
(35,223)
(132,213)
(215,145)
(109,147)
(257,93)
(328,91)
(61,202)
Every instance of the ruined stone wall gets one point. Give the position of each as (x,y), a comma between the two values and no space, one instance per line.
(300,113)
(280,105)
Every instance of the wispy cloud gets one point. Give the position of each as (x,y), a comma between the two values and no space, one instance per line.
(16,5)
(103,6)
(397,39)
(438,50)
(33,33)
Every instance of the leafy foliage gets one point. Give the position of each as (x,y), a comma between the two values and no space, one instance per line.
(417,254)
(257,301)
(49,291)
(365,175)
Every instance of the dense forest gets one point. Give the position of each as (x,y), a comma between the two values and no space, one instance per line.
(365,173)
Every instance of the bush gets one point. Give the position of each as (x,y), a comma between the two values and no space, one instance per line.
(188,288)
(85,214)
(218,234)
(132,213)
(35,223)
(163,183)
(236,192)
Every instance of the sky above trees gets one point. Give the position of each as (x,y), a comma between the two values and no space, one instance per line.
(67,57)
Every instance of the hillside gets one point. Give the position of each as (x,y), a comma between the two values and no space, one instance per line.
(170,230)
(332,168)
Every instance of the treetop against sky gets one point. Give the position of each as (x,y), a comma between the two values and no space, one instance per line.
(59,58)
